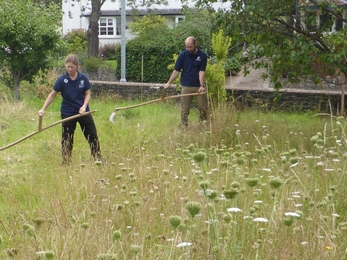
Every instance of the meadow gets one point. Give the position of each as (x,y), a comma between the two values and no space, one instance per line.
(249,184)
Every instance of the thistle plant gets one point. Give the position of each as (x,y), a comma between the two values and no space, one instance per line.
(29,229)
(230,194)
(175,221)
(135,249)
(204,185)
(49,254)
(116,235)
(252,181)
(193,208)
(199,157)
(275,182)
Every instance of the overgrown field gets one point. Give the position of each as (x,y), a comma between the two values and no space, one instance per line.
(247,185)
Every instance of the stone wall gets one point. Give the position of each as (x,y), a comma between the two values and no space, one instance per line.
(130,90)
(288,99)
(267,98)
(102,74)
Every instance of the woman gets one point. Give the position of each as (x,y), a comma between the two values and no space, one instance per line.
(74,87)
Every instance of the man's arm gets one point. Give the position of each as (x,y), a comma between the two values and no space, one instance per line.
(172,78)
(202,81)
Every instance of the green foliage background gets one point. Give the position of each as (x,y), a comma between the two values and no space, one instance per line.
(157,46)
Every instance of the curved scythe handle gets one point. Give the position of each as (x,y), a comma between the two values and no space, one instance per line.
(40,129)
(152,101)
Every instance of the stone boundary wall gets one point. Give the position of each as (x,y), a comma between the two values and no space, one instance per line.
(288,99)
(266,98)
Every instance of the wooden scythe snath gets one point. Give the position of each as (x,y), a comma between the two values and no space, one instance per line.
(153,101)
(40,129)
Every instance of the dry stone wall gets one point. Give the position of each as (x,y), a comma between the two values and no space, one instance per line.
(263,98)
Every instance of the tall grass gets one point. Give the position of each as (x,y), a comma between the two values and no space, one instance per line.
(247,185)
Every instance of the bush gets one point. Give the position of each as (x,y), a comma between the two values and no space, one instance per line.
(76,41)
(231,64)
(157,46)
(152,52)
(92,64)
(108,51)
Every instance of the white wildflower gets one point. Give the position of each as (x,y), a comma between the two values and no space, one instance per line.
(234,210)
(292,214)
(184,244)
(264,220)
(329,170)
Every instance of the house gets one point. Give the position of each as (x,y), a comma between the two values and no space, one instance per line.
(76,16)
(337,23)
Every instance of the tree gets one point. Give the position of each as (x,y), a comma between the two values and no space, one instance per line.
(49,2)
(215,73)
(288,36)
(93,28)
(147,23)
(28,33)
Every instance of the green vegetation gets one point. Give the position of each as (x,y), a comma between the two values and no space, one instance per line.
(150,53)
(249,185)
(28,34)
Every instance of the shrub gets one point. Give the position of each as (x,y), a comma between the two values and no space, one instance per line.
(76,41)
(108,51)
(148,56)
(92,64)
(231,64)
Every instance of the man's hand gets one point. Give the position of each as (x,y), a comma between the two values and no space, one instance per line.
(201,89)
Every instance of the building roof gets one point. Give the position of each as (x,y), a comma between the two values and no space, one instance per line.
(139,12)
(336,2)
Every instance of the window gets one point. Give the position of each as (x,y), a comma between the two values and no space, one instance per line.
(179,19)
(109,26)
(325,22)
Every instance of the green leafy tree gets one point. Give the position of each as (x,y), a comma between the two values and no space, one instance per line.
(28,33)
(76,41)
(158,45)
(288,36)
(147,23)
(215,73)
(199,24)
(49,2)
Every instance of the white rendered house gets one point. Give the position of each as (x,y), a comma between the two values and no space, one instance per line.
(76,16)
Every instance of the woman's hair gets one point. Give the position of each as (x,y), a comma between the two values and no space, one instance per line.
(73,59)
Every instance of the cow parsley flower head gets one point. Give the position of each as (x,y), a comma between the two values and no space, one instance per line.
(263,220)
(184,244)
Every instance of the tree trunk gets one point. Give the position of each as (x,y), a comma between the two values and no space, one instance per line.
(16,87)
(93,29)
(93,36)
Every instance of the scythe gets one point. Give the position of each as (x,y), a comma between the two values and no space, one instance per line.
(111,118)
(40,129)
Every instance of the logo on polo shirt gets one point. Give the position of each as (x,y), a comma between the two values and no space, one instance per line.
(66,80)
(82,84)
(198,58)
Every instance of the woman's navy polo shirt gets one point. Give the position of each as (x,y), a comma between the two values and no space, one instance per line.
(73,92)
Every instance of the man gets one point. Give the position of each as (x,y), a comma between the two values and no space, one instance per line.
(192,62)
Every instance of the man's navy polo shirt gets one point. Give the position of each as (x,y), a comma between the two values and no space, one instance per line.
(191,65)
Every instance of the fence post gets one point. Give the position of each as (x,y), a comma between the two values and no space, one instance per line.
(342,82)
